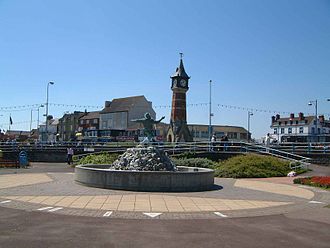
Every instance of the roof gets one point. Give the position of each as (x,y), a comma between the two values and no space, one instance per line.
(180,72)
(288,119)
(123,104)
(91,115)
(54,121)
(17,132)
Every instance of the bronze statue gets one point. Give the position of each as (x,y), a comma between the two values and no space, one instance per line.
(148,124)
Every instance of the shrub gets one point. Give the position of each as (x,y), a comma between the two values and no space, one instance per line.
(185,155)
(194,162)
(251,165)
(103,158)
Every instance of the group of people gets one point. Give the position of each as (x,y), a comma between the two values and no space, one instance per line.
(214,140)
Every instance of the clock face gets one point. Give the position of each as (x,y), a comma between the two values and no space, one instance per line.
(174,83)
(183,83)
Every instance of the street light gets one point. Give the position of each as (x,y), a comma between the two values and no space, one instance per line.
(49,83)
(210,111)
(310,104)
(248,133)
(41,106)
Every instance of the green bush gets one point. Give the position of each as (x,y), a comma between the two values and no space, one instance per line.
(103,158)
(251,165)
(185,155)
(194,162)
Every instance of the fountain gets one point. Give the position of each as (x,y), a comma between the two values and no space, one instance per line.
(145,168)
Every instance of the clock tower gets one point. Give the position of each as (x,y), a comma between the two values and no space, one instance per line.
(178,130)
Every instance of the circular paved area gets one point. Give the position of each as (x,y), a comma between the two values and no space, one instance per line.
(39,190)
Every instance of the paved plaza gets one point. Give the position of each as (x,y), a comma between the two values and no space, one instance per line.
(56,192)
(45,199)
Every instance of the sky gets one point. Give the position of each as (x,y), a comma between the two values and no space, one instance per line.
(260,54)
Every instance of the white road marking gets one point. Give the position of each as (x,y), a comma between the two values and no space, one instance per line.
(69,173)
(316,202)
(152,215)
(5,201)
(107,214)
(54,209)
(40,209)
(220,214)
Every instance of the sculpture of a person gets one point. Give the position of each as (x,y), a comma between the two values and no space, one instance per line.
(148,124)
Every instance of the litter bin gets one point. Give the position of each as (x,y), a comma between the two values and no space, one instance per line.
(23,159)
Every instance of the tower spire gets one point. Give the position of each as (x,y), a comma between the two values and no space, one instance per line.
(180,71)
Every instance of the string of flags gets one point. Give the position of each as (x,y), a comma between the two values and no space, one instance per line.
(33,106)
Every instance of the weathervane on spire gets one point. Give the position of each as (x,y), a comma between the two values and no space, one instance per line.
(181,55)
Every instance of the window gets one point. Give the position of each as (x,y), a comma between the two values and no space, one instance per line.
(87,121)
(313,130)
(289,130)
(279,123)
(275,130)
(297,122)
(282,130)
(301,130)
(94,121)
(285,122)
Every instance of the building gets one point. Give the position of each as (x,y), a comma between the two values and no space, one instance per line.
(68,126)
(200,132)
(300,128)
(17,135)
(52,130)
(178,130)
(89,125)
(116,116)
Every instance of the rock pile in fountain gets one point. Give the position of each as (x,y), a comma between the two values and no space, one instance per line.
(144,159)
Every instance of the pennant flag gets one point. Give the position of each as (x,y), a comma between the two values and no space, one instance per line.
(10,120)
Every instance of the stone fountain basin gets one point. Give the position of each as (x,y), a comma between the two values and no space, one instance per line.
(185,179)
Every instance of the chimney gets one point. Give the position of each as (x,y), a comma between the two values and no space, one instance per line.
(301,116)
(107,104)
(291,116)
(321,118)
(273,119)
(277,117)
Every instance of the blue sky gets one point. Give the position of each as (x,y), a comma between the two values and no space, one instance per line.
(269,55)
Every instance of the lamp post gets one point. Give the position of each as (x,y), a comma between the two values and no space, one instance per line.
(210,111)
(31,122)
(41,106)
(49,83)
(248,133)
(310,104)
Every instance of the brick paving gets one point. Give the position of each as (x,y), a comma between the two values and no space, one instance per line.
(57,193)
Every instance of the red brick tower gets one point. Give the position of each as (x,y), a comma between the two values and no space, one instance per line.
(178,131)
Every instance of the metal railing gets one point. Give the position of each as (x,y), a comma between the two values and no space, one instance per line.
(296,161)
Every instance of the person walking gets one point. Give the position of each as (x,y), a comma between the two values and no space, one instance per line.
(69,155)
(213,140)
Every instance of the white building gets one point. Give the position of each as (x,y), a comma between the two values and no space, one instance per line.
(300,128)
(52,130)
